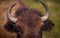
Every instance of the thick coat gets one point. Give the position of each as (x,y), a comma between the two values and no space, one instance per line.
(29,23)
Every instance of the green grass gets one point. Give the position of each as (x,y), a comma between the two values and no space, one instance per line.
(54,16)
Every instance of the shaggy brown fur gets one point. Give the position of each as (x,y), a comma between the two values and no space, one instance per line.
(29,23)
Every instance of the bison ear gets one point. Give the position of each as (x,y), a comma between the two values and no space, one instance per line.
(11,27)
(48,25)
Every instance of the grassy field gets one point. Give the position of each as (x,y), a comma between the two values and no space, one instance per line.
(54,6)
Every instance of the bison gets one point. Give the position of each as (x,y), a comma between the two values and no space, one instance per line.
(28,23)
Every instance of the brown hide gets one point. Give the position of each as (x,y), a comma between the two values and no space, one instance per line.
(29,22)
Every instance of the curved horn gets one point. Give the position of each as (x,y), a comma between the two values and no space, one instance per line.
(45,17)
(9,11)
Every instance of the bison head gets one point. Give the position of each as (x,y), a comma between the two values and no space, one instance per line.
(29,22)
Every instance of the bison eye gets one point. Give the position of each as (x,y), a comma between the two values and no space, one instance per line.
(11,27)
(48,25)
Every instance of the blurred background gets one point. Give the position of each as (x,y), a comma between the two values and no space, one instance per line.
(54,6)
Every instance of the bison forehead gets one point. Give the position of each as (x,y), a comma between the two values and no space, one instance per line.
(31,19)
(25,11)
(28,15)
